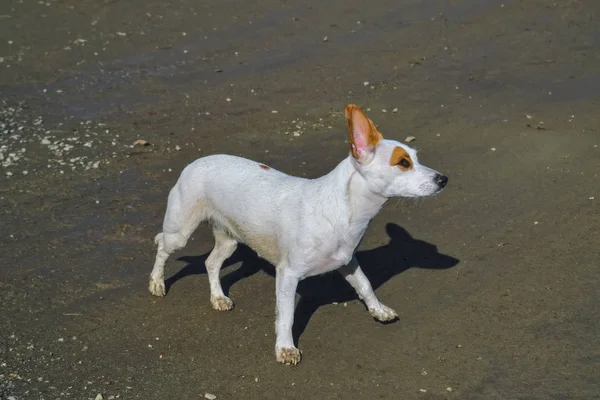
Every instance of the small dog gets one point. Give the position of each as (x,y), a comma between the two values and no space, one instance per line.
(304,227)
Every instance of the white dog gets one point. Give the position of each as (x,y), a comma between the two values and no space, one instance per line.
(304,227)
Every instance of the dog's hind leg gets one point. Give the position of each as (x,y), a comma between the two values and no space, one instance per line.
(225,245)
(157,276)
(181,220)
(167,244)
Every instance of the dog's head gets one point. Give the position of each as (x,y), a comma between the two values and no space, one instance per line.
(390,168)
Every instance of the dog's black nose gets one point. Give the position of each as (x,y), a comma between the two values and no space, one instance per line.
(441,180)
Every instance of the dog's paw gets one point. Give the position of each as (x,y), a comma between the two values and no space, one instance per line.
(383,313)
(288,355)
(221,303)
(157,287)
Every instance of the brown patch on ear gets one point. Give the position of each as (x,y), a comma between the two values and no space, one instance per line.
(374,136)
(401,159)
(263,166)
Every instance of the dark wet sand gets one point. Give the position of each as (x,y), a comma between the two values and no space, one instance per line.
(495,280)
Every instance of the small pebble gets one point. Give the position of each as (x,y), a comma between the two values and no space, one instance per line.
(395,110)
(448,389)
(422,390)
(409,139)
(591,197)
(493,149)
(210,396)
(177,148)
(99,397)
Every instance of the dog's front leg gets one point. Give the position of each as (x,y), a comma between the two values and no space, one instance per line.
(359,281)
(285,286)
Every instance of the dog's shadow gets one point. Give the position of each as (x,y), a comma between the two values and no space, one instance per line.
(379,264)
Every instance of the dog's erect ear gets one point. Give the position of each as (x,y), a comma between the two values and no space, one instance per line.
(364,136)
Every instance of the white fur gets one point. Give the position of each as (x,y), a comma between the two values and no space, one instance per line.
(304,227)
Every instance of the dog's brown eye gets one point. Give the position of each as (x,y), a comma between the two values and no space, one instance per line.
(405,163)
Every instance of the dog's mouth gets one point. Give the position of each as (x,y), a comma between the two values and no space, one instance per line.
(431,189)
(440,190)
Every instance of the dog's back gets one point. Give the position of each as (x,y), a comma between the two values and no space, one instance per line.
(240,196)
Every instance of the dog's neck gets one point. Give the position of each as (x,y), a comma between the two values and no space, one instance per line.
(362,202)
